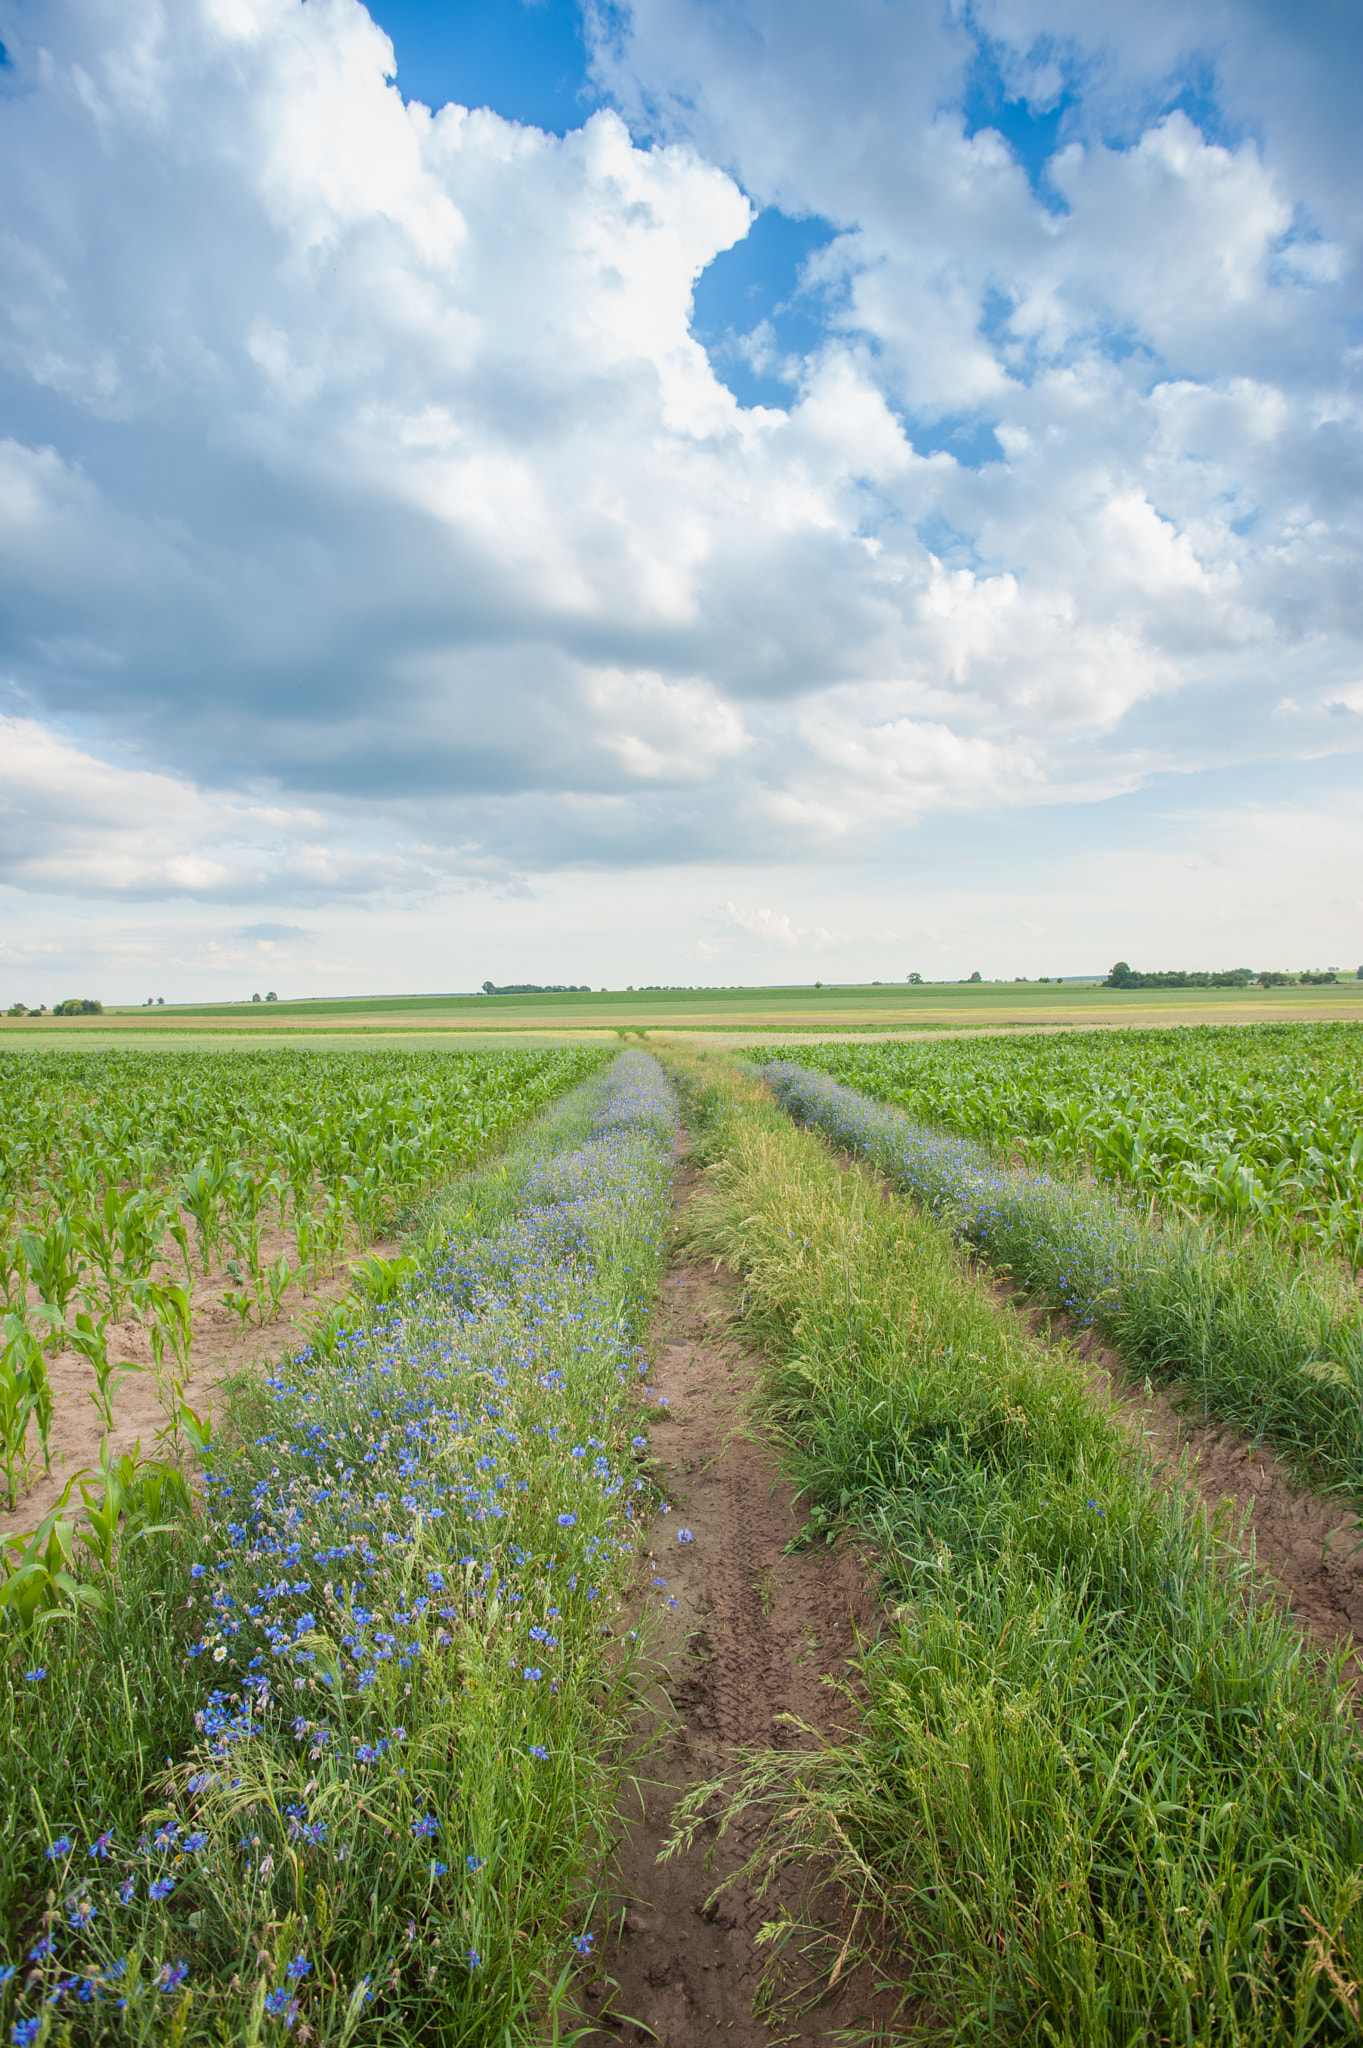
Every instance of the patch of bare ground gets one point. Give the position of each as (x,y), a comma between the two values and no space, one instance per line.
(758,1633)
(219,1349)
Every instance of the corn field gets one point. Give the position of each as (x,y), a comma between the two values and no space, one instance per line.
(1257,1126)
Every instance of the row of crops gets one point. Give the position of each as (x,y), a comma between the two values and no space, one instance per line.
(331,1755)
(1258,1125)
(1265,1339)
(124,1175)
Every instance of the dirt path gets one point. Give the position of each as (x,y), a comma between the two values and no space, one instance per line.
(755,1634)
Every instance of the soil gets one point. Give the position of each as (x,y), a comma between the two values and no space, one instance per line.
(758,1634)
(219,1349)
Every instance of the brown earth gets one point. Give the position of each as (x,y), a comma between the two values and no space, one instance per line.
(219,1349)
(757,1634)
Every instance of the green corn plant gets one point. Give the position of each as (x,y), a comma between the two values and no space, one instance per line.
(99,1230)
(166,1315)
(103,1510)
(91,1340)
(245,1217)
(40,1584)
(16,1409)
(13,1264)
(322,1326)
(275,1280)
(307,1243)
(239,1300)
(54,1261)
(135,1497)
(200,1192)
(25,1392)
(382,1279)
(186,1427)
(157,1498)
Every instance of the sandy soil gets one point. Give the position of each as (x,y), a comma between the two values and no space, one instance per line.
(219,1349)
(756,1635)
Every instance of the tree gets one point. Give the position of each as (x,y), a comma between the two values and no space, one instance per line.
(255,999)
(489,988)
(915,981)
(977,976)
(271,997)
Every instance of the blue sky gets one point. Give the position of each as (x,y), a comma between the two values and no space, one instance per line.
(680,490)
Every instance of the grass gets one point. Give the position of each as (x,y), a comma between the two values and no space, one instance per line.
(338,1758)
(1267,1341)
(1101,1791)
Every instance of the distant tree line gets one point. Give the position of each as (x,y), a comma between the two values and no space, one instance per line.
(1124,976)
(534,988)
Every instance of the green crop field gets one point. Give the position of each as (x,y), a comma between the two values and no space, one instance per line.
(1260,1125)
(721,1014)
(316,1735)
(122,1172)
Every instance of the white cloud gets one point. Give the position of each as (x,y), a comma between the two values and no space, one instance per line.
(361,480)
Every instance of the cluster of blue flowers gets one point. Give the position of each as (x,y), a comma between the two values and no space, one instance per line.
(452,1494)
(1071,1246)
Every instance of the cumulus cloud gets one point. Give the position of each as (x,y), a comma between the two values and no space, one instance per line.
(371,520)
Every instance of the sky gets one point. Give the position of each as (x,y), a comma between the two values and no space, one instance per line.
(676,491)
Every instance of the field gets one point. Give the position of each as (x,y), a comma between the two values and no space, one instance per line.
(1259,1126)
(322,1715)
(718,1014)
(1252,1330)
(330,1752)
(1098,1791)
(149,1201)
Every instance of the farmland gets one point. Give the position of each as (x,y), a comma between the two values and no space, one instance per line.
(323,1717)
(1256,1333)
(331,1753)
(1258,1126)
(1098,1790)
(715,1013)
(141,1193)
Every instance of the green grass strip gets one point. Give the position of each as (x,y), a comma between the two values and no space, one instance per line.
(1266,1340)
(1102,1791)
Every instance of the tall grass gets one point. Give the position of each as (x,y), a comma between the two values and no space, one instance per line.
(1268,1342)
(376,1690)
(1101,1791)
